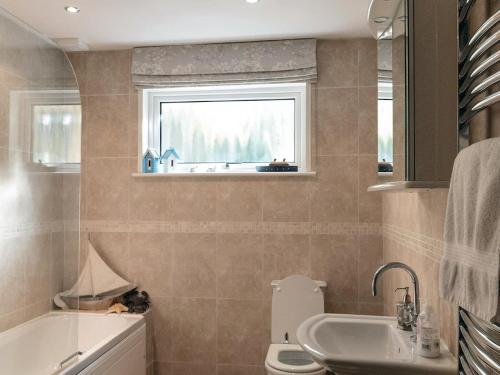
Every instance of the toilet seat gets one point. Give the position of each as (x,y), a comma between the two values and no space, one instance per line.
(277,367)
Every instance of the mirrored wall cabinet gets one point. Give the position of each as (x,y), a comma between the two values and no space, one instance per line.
(417,92)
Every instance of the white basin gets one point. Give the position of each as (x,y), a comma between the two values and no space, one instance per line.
(359,344)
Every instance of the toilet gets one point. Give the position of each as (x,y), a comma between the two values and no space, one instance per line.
(295,299)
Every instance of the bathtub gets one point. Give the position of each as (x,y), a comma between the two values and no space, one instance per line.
(67,343)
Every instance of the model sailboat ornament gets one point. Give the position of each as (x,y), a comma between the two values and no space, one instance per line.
(96,286)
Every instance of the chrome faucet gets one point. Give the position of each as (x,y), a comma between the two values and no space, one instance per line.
(414,280)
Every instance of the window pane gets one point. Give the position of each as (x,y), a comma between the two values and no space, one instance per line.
(385,131)
(251,131)
(56,133)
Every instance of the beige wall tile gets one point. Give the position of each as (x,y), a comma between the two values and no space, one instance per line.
(107,189)
(370,203)
(108,72)
(337,63)
(79,63)
(335,260)
(370,259)
(37,270)
(108,125)
(337,123)
(149,200)
(337,307)
(162,314)
(71,257)
(286,200)
(334,193)
(242,331)
(194,264)
(71,196)
(162,368)
(239,200)
(151,263)
(56,264)
(13,253)
(240,370)
(367,62)
(191,200)
(239,266)
(367,120)
(366,308)
(44,200)
(193,368)
(194,330)
(284,255)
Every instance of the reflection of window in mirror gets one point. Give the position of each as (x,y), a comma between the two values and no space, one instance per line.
(55,134)
(385,128)
(49,123)
(385,108)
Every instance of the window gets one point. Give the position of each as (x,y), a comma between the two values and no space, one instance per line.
(385,126)
(48,124)
(55,134)
(228,128)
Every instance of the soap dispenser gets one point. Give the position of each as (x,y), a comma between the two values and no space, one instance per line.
(405,310)
(428,336)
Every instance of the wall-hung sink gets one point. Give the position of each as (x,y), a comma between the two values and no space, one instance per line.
(357,344)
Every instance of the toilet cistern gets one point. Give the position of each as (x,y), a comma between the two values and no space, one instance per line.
(414,279)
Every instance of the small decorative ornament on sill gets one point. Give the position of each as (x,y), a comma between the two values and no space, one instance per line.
(278,166)
(168,160)
(150,161)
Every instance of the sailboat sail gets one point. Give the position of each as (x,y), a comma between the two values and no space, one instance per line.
(96,278)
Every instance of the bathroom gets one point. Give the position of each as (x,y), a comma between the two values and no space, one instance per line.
(242,233)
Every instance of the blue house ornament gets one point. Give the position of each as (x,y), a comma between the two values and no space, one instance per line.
(168,160)
(151,161)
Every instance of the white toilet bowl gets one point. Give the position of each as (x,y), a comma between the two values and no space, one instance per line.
(295,299)
(286,359)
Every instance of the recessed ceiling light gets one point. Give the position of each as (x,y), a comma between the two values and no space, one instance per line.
(252,1)
(72,9)
(380,19)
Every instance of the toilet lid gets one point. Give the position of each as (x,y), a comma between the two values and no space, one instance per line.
(295,299)
(291,358)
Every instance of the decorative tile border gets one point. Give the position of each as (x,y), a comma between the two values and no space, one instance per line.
(28,229)
(424,245)
(304,228)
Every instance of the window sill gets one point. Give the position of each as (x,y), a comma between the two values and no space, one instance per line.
(224,174)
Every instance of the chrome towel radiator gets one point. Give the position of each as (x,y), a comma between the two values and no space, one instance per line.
(479,346)
(478,63)
(478,91)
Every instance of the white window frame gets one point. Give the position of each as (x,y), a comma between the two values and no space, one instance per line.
(151,99)
(21,113)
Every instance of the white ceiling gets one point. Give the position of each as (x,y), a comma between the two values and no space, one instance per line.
(114,24)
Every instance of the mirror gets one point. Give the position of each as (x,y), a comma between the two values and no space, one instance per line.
(388,26)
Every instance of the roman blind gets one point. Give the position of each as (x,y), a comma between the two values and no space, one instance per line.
(225,63)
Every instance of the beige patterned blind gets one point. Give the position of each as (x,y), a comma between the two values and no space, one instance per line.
(227,63)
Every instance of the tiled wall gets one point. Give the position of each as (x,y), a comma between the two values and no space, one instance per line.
(207,248)
(413,234)
(35,206)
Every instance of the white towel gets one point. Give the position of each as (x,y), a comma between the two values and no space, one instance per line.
(470,265)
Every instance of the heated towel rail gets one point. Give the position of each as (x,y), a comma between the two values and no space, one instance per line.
(479,346)
(478,90)
(477,65)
